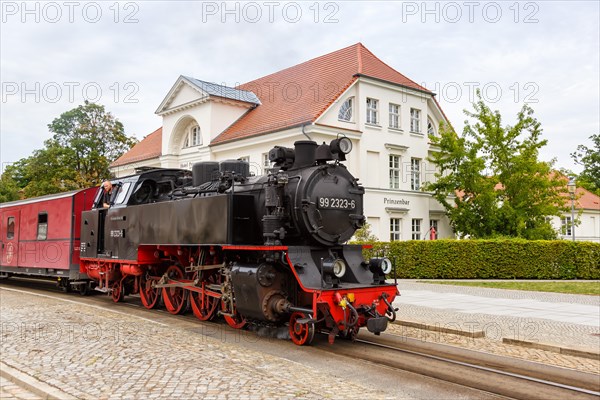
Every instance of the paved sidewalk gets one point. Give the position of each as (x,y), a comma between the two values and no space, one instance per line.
(570,320)
(93,353)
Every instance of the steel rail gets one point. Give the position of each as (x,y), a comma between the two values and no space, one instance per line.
(483,368)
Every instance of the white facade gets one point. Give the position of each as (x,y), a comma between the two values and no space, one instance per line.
(587,225)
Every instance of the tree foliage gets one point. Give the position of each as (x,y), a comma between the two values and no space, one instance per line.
(364,234)
(589,158)
(85,140)
(490,179)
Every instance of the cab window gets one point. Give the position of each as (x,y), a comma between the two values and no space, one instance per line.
(10,228)
(122,193)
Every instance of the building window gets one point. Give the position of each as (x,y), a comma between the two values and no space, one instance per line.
(372,105)
(193,138)
(10,228)
(433,229)
(415,174)
(415,120)
(566,226)
(430,127)
(345,113)
(394,171)
(42,228)
(394,116)
(266,163)
(416,229)
(395,229)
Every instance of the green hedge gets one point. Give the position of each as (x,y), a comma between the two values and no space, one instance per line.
(494,259)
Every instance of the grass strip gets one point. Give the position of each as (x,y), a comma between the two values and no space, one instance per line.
(589,288)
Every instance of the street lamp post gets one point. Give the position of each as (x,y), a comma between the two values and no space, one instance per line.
(571,186)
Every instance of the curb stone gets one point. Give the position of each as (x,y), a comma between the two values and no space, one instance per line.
(32,384)
(584,353)
(555,348)
(438,328)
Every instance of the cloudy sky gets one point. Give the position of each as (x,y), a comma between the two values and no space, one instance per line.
(127,55)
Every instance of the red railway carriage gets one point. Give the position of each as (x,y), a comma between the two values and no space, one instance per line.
(40,236)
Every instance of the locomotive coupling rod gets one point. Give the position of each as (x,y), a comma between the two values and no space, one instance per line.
(178,284)
(193,268)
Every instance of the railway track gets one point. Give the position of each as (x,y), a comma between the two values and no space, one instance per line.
(511,378)
(486,373)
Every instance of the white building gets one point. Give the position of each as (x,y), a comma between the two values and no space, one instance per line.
(350,92)
(587,218)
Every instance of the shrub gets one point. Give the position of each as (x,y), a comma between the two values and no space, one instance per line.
(492,259)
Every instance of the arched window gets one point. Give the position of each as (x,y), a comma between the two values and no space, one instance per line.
(193,136)
(430,127)
(345,113)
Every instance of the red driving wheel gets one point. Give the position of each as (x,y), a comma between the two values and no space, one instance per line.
(235,321)
(204,306)
(148,294)
(174,297)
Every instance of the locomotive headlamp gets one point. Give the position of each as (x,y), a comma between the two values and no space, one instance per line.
(336,267)
(386,265)
(339,267)
(382,264)
(342,145)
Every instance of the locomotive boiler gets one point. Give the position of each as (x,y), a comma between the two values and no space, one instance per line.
(267,250)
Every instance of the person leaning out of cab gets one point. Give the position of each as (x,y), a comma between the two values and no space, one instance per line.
(107,190)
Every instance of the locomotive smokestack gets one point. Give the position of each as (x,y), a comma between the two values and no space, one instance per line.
(305,153)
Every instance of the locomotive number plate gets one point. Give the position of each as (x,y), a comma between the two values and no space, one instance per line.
(336,203)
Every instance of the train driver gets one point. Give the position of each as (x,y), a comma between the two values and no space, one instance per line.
(106,194)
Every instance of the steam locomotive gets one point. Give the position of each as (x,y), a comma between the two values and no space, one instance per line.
(267,250)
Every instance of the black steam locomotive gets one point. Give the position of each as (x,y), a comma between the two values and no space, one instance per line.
(265,250)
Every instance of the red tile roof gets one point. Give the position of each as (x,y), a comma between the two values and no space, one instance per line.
(292,97)
(300,94)
(148,147)
(586,200)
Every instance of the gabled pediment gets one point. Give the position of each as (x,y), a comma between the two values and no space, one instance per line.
(183,93)
(187,92)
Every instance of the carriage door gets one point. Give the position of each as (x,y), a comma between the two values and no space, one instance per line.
(10,239)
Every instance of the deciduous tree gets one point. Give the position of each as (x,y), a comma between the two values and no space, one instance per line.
(85,140)
(589,158)
(490,179)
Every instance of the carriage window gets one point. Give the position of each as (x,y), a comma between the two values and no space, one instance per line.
(42,229)
(10,228)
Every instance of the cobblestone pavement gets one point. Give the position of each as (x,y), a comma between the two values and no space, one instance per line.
(11,391)
(496,327)
(89,354)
